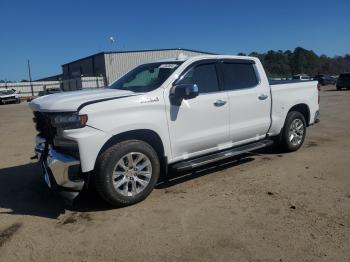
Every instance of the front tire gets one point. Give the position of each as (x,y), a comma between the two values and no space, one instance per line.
(127,172)
(293,132)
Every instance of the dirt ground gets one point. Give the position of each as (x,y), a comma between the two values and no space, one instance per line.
(262,207)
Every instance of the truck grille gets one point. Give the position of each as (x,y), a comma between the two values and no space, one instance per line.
(53,136)
(43,125)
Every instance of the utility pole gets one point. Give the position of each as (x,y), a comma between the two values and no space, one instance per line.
(30,79)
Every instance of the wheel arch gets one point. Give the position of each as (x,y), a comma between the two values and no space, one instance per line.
(303,109)
(145,135)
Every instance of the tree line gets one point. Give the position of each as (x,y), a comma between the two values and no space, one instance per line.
(301,61)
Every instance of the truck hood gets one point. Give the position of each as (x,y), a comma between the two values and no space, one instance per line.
(72,100)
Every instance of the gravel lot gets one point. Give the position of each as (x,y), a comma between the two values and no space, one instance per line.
(263,207)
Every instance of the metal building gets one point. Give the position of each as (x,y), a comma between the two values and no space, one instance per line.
(112,65)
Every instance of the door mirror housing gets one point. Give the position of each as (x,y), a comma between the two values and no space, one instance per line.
(184,91)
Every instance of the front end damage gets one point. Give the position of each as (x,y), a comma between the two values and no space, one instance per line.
(58,158)
(61,171)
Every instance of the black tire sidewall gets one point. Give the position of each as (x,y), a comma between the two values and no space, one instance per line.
(287,145)
(108,160)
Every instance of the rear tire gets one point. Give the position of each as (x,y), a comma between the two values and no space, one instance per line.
(293,132)
(127,172)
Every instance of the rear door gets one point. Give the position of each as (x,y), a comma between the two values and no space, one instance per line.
(249,100)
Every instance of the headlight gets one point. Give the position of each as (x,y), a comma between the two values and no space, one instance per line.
(69,120)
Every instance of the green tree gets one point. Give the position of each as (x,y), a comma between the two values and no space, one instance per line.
(304,61)
(277,64)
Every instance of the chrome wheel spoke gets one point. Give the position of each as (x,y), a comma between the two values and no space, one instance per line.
(130,160)
(125,190)
(133,187)
(120,182)
(138,159)
(117,174)
(144,165)
(144,173)
(122,165)
(142,182)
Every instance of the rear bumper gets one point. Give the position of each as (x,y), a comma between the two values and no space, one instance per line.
(317,118)
(61,171)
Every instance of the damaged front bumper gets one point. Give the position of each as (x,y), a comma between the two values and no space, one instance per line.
(61,171)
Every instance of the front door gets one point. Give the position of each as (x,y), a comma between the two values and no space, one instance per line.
(199,125)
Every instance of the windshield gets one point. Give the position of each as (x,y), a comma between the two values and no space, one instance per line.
(146,78)
(7,92)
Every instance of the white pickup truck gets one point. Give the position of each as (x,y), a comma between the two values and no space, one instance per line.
(182,113)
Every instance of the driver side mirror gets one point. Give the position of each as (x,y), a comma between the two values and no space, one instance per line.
(184,91)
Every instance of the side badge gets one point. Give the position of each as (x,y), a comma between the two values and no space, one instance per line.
(149,99)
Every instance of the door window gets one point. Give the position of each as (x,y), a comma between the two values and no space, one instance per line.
(204,76)
(239,76)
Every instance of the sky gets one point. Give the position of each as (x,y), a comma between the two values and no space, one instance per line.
(51,33)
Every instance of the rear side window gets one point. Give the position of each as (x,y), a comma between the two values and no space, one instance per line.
(239,76)
(204,76)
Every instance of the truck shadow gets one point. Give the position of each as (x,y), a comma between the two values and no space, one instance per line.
(24,192)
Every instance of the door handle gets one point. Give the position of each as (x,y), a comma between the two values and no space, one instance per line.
(219,103)
(263,97)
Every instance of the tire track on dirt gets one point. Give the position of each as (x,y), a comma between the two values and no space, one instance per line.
(7,233)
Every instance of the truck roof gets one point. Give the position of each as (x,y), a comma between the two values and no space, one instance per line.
(183,58)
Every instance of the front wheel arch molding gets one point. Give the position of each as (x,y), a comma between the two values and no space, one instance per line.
(145,135)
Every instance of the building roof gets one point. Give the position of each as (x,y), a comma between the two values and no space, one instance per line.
(50,78)
(138,51)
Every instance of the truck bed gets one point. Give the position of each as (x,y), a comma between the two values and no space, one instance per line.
(281,82)
(287,93)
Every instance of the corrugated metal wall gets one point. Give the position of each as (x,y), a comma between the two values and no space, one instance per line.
(117,64)
(90,66)
(24,88)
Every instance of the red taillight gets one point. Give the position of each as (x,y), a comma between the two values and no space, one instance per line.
(318,89)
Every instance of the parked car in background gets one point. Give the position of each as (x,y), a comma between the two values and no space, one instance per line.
(301,77)
(325,79)
(50,91)
(9,96)
(343,81)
